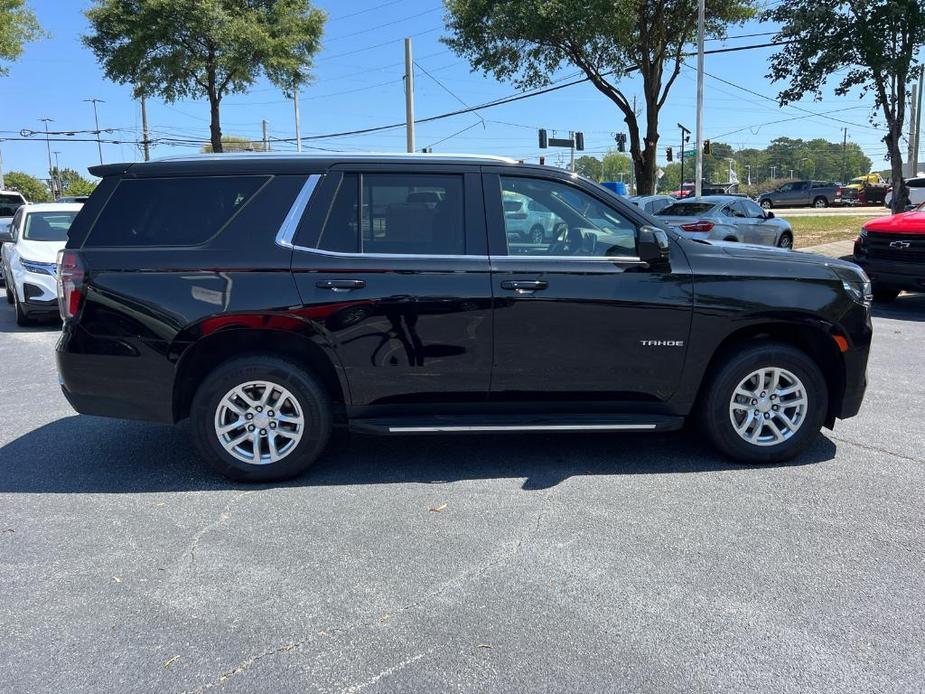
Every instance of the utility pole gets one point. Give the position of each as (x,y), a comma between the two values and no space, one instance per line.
(685,135)
(298,124)
(266,137)
(748,171)
(144,129)
(2,183)
(46,121)
(698,180)
(791,174)
(58,179)
(409,95)
(96,119)
(844,156)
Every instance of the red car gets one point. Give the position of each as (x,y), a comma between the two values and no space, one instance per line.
(892,252)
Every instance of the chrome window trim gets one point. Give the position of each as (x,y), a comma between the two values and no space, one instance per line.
(527,258)
(288,228)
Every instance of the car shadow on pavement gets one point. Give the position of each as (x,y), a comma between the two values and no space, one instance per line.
(81,454)
(905,307)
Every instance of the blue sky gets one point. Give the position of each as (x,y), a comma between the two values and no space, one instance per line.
(358,84)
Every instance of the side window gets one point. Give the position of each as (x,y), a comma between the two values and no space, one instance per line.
(730,211)
(14,225)
(419,214)
(752,210)
(916,183)
(182,211)
(341,232)
(786,188)
(659,205)
(576,224)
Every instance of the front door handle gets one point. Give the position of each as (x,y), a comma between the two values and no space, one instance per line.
(340,285)
(524,286)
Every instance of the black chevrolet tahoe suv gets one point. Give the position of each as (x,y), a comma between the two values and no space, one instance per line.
(272,298)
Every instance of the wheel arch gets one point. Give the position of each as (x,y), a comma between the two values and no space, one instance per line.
(815,341)
(206,354)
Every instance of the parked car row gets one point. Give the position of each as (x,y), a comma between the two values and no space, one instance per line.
(31,243)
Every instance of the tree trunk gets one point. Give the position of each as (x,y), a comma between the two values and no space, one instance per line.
(900,194)
(215,126)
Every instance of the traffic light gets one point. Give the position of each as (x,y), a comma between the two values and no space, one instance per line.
(621,142)
(543,142)
(669,155)
(707,149)
(579,141)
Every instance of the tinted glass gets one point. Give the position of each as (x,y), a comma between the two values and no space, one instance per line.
(418,214)
(753,210)
(687,209)
(171,211)
(47,226)
(916,183)
(341,230)
(576,224)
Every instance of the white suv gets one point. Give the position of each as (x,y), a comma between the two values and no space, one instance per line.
(29,254)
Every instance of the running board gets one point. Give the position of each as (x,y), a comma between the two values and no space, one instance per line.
(469,424)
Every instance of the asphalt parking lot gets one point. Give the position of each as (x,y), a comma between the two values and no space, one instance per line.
(545,563)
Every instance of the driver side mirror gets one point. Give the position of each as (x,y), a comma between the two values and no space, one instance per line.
(653,244)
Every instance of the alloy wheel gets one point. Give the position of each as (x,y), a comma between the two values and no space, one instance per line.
(768,406)
(259,422)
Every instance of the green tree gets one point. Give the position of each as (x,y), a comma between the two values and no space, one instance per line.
(180,49)
(31,188)
(72,183)
(872,45)
(527,41)
(589,167)
(616,166)
(18,26)
(234,143)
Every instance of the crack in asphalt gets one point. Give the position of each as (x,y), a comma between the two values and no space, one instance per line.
(876,449)
(458,580)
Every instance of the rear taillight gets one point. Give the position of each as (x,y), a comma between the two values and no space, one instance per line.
(71,277)
(702,225)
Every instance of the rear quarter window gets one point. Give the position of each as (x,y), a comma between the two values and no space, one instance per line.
(171,211)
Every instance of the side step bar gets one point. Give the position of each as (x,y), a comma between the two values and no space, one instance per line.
(470,424)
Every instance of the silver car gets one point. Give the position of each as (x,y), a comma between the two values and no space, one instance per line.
(653,204)
(727,218)
(527,220)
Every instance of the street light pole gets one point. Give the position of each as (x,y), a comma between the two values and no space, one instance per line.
(96,119)
(685,135)
(46,121)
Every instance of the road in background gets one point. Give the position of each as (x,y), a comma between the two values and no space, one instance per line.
(571,563)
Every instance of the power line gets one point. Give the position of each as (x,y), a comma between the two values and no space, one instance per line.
(368,9)
(381,26)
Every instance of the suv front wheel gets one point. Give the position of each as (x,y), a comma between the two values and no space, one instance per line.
(766,404)
(260,419)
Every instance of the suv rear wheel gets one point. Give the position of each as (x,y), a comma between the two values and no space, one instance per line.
(765,404)
(820,202)
(260,418)
(766,204)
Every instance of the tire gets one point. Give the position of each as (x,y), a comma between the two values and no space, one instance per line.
(537,234)
(884,295)
(785,240)
(306,397)
(9,294)
(766,204)
(820,202)
(718,413)
(22,315)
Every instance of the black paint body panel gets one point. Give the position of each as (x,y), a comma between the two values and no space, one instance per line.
(436,334)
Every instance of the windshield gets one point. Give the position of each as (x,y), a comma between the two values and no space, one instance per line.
(48,226)
(686,209)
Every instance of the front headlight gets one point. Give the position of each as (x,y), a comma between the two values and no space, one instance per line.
(38,267)
(856,284)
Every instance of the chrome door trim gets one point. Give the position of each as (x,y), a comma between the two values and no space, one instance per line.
(288,228)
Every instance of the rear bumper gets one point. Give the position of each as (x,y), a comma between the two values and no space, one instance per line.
(110,377)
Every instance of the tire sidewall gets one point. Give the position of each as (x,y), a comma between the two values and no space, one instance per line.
(716,404)
(312,399)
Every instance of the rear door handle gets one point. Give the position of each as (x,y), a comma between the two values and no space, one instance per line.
(340,285)
(524,286)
